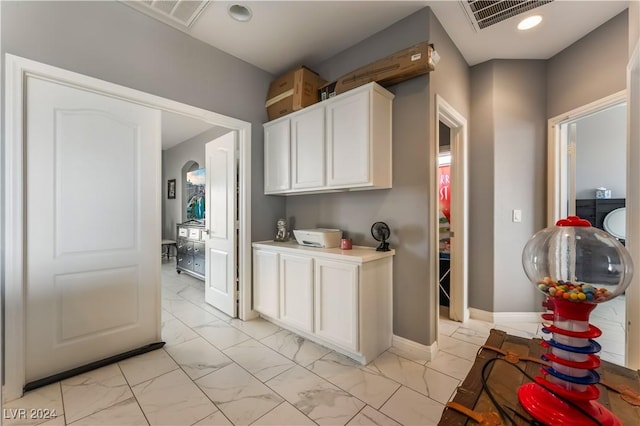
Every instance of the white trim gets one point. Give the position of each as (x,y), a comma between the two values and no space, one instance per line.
(557,157)
(459,289)
(16,70)
(421,351)
(632,355)
(505,317)
(13,234)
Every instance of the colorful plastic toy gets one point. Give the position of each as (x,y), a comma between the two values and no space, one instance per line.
(577,267)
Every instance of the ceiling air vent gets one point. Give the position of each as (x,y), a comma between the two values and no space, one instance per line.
(484,13)
(181,12)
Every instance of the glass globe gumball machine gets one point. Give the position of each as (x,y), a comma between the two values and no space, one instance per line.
(577,267)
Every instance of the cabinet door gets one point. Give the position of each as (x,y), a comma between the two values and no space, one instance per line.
(266,284)
(348,141)
(307,149)
(336,302)
(296,291)
(277,157)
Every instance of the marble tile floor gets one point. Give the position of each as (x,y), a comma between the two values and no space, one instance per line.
(215,370)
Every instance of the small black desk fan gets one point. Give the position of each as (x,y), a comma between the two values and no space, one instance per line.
(380,231)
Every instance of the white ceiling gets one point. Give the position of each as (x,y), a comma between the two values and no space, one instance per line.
(285,34)
(563,23)
(178,128)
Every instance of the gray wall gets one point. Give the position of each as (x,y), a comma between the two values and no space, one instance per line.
(452,77)
(601,153)
(406,207)
(508,150)
(481,187)
(113,42)
(634,25)
(451,81)
(173,161)
(520,130)
(590,69)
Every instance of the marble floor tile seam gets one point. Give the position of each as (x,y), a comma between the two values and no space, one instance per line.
(328,380)
(164,374)
(257,421)
(274,390)
(133,396)
(321,378)
(426,366)
(377,409)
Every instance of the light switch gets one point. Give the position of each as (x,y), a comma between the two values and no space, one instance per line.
(517,215)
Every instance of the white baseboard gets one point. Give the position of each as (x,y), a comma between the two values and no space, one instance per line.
(505,317)
(421,351)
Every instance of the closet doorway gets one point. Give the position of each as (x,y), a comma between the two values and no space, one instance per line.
(452,223)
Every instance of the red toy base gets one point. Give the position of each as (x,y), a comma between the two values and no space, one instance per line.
(550,410)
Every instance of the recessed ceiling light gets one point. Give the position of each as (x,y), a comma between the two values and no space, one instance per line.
(239,12)
(530,22)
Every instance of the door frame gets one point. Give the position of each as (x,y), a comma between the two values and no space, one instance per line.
(632,356)
(459,282)
(557,188)
(16,71)
(557,179)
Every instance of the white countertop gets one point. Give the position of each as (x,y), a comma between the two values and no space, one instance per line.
(358,254)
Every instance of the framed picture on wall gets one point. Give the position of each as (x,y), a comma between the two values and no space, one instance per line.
(171,188)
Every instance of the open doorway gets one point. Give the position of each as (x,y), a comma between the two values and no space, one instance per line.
(590,180)
(49,79)
(451,190)
(444,217)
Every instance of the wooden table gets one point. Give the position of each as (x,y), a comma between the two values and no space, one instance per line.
(504,381)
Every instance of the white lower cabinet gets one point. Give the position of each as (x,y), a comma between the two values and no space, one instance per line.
(341,299)
(266,285)
(296,291)
(336,302)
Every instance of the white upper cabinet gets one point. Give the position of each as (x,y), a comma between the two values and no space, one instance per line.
(307,149)
(277,148)
(340,144)
(349,141)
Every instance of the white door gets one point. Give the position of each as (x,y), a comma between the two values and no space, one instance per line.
(92,227)
(221,197)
